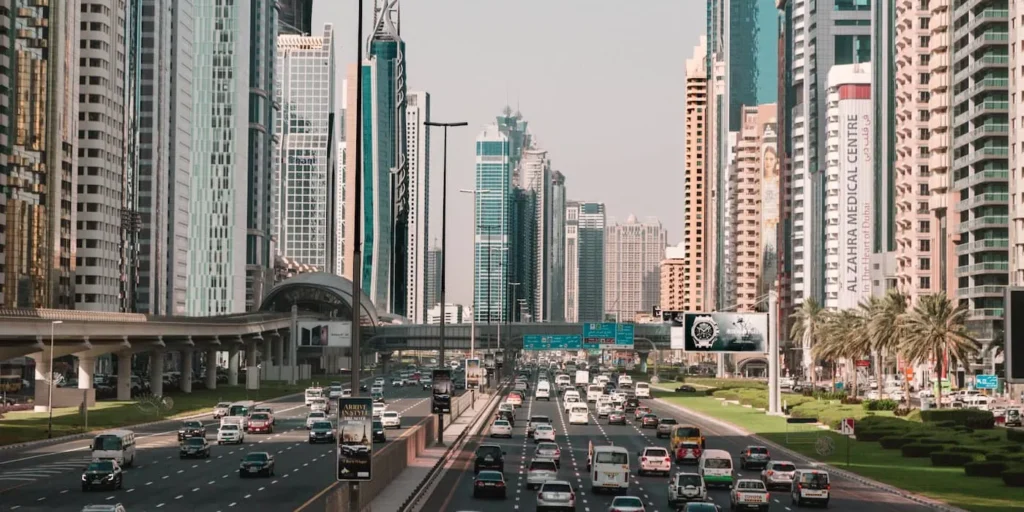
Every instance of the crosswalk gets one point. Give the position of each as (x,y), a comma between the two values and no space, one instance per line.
(43,471)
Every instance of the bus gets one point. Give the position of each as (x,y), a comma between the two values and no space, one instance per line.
(609,469)
(116,445)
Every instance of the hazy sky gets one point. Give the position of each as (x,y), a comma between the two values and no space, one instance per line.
(601,83)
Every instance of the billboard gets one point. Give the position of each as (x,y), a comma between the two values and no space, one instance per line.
(769,211)
(474,374)
(355,439)
(441,400)
(325,333)
(1014,344)
(725,332)
(489,360)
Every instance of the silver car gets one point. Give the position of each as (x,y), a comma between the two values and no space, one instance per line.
(778,474)
(556,494)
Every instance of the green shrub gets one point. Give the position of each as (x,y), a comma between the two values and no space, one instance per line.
(963,430)
(1008,448)
(948,459)
(1014,434)
(973,418)
(985,437)
(876,435)
(849,400)
(880,405)
(1005,457)
(975,450)
(894,442)
(985,468)
(944,424)
(903,411)
(1013,477)
(920,449)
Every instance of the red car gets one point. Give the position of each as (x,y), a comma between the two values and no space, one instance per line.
(649,420)
(640,412)
(260,422)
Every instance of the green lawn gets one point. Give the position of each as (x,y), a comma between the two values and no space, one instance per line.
(20,427)
(869,459)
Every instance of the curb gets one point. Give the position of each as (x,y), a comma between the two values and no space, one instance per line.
(83,435)
(920,500)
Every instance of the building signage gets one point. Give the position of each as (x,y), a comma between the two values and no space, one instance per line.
(856,194)
(355,445)
(608,335)
(726,332)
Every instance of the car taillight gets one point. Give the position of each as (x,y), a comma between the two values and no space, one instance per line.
(668,460)
(500,484)
(682,452)
(479,483)
(770,472)
(643,459)
(696,452)
(828,487)
(767,496)
(572,496)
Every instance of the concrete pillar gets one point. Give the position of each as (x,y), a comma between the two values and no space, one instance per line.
(278,343)
(86,368)
(44,375)
(250,353)
(124,376)
(643,361)
(266,356)
(156,372)
(186,370)
(233,365)
(211,368)
(385,362)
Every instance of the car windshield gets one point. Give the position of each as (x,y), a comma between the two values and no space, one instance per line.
(196,441)
(229,426)
(783,467)
(814,480)
(501,423)
(627,501)
(540,419)
(718,463)
(484,451)
(322,425)
(547,446)
(750,485)
(687,480)
(687,432)
(543,465)
(700,507)
(378,425)
(667,421)
(106,443)
(256,457)
(556,487)
(103,465)
(544,426)
(223,405)
(611,458)
(656,452)
(760,450)
(260,417)
(491,476)
(192,424)
(317,415)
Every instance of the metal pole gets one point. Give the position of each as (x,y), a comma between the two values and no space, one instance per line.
(773,358)
(472,317)
(357,236)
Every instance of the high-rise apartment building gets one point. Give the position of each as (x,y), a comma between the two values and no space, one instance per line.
(453,314)
(1016,145)
(162,160)
(417,138)
(584,261)
(535,178)
(824,34)
(5,138)
(850,187)
(102,176)
(674,288)
(555,304)
(432,282)
(695,265)
(632,259)
(306,177)
(980,165)
(754,182)
(41,175)
(726,299)
(940,148)
(339,189)
(295,17)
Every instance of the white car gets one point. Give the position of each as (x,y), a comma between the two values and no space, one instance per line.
(378,409)
(221,410)
(778,473)
(540,472)
(379,381)
(391,419)
(603,409)
(377,389)
(346,393)
(544,432)
(501,428)
(569,401)
(556,494)
(315,417)
(810,486)
(684,488)
(399,382)
(230,433)
(335,392)
(654,459)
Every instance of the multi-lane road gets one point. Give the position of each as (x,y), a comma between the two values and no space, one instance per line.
(454,491)
(49,479)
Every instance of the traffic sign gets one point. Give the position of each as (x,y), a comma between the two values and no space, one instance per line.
(986,382)
(846,426)
(608,335)
(552,342)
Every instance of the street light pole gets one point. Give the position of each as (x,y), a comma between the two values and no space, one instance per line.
(49,386)
(357,240)
(472,317)
(444,254)
(501,299)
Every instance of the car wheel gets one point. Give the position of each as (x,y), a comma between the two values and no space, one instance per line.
(120,482)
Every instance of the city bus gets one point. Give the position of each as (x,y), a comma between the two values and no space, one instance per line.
(116,445)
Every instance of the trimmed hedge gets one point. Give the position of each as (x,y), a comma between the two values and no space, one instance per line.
(877,435)
(972,418)
(974,450)
(894,442)
(1005,457)
(920,449)
(880,405)
(1013,477)
(985,468)
(947,459)
(1015,434)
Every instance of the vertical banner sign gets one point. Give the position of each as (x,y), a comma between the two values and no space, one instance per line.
(355,445)
(442,398)
(769,210)
(474,374)
(489,360)
(1014,332)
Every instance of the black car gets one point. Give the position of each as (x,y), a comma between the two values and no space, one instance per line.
(379,436)
(256,464)
(362,387)
(102,474)
(191,428)
(489,483)
(686,388)
(321,432)
(194,447)
(631,404)
(489,456)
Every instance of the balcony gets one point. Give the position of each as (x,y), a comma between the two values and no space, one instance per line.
(982,245)
(984,222)
(982,199)
(987,39)
(973,292)
(989,61)
(981,177)
(988,313)
(982,268)
(990,84)
(990,15)
(990,107)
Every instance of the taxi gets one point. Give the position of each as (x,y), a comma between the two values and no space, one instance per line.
(683,434)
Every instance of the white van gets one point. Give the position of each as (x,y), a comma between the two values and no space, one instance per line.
(643,390)
(544,391)
(715,466)
(312,394)
(115,445)
(810,486)
(609,469)
(625,379)
(579,414)
(594,392)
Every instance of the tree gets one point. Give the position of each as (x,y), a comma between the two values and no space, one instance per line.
(884,326)
(935,328)
(807,323)
(844,336)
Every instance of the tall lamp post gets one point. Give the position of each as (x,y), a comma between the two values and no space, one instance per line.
(444,253)
(501,301)
(511,307)
(357,238)
(472,317)
(49,386)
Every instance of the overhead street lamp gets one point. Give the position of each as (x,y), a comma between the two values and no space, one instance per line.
(472,317)
(444,253)
(500,299)
(49,390)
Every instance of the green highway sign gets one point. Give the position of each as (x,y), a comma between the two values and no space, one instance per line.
(552,342)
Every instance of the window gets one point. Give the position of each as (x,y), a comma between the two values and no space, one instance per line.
(925,283)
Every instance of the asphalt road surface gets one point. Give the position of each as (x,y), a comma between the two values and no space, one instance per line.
(49,479)
(455,491)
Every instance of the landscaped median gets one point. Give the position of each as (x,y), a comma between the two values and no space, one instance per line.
(25,426)
(955,456)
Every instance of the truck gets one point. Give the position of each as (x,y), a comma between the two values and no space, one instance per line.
(582,378)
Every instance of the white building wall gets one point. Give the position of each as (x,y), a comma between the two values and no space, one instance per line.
(417,112)
(453,314)
(572,262)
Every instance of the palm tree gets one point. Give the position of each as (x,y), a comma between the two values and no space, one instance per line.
(936,328)
(844,337)
(884,326)
(807,323)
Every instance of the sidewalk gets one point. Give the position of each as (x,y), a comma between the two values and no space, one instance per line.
(400,488)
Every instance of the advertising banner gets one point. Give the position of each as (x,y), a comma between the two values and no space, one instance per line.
(474,374)
(769,211)
(489,360)
(499,359)
(355,439)
(725,332)
(856,194)
(1014,332)
(441,401)
(322,333)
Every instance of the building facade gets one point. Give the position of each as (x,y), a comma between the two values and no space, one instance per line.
(1016,146)
(417,138)
(632,258)
(940,148)
(535,177)
(696,235)
(584,261)
(305,170)
(5,140)
(674,288)
(555,305)
(453,314)
(295,17)
(432,282)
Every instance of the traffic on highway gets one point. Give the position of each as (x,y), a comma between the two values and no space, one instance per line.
(595,446)
(268,457)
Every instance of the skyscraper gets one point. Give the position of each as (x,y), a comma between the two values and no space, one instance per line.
(1017,153)
(5,139)
(295,17)
(432,283)
(306,173)
(418,155)
(695,262)
(163,112)
(941,196)
(535,177)
(556,251)
(632,260)
(584,261)
(674,288)
(41,176)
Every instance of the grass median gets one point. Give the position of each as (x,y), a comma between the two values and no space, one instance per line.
(25,426)
(917,475)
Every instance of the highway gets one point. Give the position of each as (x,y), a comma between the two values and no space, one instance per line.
(49,479)
(846,494)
